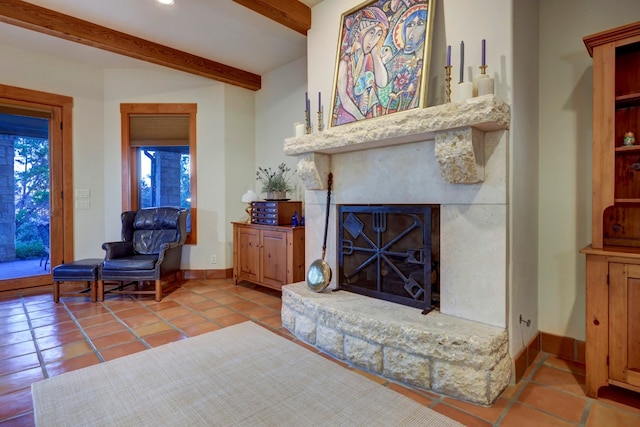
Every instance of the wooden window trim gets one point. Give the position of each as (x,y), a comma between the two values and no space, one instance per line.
(129,164)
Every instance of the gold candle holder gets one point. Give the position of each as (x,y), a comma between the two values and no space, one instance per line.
(447,88)
(307,121)
(483,69)
(320,122)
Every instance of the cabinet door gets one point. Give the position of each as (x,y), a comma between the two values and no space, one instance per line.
(624,323)
(248,253)
(273,261)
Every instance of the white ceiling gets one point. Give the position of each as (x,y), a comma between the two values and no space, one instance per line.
(219,30)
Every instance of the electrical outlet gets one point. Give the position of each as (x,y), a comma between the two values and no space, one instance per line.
(214,259)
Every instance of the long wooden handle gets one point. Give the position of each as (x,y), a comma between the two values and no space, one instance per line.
(326,219)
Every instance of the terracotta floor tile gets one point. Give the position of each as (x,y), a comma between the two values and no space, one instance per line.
(559,403)
(520,415)
(153,329)
(230,300)
(272,321)
(19,317)
(411,394)
(15,403)
(16,337)
(512,390)
(164,338)
(104,329)
(50,320)
(122,350)
(14,327)
(56,328)
(204,305)
(111,340)
(214,313)
(13,350)
(94,310)
(142,320)
(96,320)
(267,300)
(189,298)
(565,381)
(19,363)
(370,376)
(163,305)
(462,417)
(604,416)
(552,395)
(24,420)
(19,380)
(51,341)
(231,319)
(488,413)
(68,365)
(172,313)
(260,312)
(67,351)
(39,312)
(201,328)
(12,314)
(565,365)
(188,320)
(118,303)
(132,312)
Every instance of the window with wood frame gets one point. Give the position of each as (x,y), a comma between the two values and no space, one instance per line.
(159,158)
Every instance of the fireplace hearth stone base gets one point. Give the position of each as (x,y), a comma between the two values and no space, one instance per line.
(457,357)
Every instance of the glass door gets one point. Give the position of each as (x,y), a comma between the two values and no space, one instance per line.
(25,202)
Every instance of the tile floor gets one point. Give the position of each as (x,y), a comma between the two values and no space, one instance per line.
(41,339)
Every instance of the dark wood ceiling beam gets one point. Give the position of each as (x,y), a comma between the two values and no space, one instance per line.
(47,21)
(290,13)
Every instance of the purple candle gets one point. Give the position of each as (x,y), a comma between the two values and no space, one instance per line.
(319,102)
(484,53)
(306,101)
(462,61)
(448,55)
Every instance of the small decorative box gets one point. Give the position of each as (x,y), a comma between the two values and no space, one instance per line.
(274,212)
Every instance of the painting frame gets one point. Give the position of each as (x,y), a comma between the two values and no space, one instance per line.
(382,60)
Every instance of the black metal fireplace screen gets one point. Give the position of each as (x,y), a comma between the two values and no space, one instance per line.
(391,252)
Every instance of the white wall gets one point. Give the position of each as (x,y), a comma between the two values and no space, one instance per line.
(565,154)
(279,104)
(83,83)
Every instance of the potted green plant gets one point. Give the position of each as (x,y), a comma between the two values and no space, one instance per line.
(275,183)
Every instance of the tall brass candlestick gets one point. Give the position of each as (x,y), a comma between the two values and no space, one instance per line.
(320,122)
(447,87)
(307,121)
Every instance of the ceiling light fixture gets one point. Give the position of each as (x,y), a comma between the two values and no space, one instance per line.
(166,2)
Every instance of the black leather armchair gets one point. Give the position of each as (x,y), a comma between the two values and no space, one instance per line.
(150,250)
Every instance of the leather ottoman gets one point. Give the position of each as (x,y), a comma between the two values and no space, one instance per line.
(84,270)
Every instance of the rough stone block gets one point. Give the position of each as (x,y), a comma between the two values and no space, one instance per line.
(406,367)
(330,341)
(460,154)
(362,353)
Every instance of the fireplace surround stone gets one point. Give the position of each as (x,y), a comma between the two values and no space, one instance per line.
(463,359)
(455,155)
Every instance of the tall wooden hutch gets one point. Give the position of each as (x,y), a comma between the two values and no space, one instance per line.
(613,258)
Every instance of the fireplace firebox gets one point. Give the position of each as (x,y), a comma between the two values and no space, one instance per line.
(390,252)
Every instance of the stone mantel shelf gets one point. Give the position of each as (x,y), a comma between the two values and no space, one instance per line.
(458,129)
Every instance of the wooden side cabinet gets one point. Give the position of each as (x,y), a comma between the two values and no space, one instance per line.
(613,319)
(613,258)
(268,255)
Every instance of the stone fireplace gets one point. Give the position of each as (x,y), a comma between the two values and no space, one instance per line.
(452,155)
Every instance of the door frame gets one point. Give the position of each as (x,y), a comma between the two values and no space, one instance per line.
(61,171)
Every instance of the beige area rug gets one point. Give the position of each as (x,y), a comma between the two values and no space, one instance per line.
(241,375)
